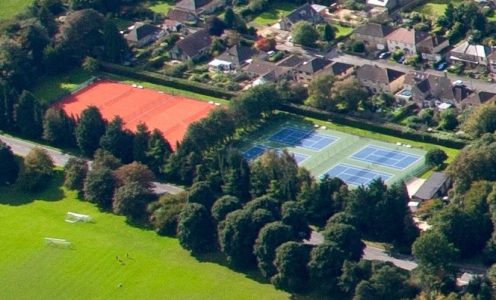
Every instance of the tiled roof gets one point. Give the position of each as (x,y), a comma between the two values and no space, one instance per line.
(374,30)
(195,42)
(376,74)
(407,36)
(141,31)
(237,54)
(302,13)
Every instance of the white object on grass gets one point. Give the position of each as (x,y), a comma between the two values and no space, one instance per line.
(72,217)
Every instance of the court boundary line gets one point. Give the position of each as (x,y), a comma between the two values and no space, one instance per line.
(390,176)
(334,138)
(419,158)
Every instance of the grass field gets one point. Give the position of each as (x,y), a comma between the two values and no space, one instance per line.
(275,12)
(10,8)
(161,7)
(50,88)
(342,30)
(157,267)
(435,8)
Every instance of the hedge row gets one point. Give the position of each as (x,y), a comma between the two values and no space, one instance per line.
(385,128)
(157,78)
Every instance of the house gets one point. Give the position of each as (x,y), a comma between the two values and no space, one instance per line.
(192,46)
(435,186)
(492,62)
(429,90)
(266,71)
(233,58)
(477,98)
(172,25)
(303,13)
(405,39)
(430,48)
(182,16)
(373,35)
(339,69)
(471,55)
(191,5)
(141,34)
(305,71)
(389,4)
(378,80)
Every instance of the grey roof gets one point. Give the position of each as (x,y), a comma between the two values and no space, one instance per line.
(260,67)
(374,30)
(431,42)
(291,61)
(438,87)
(191,5)
(237,54)
(377,74)
(302,13)
(195,42)
(141,31)
(338,68)
(479,98)
(181,15)
(431,186)
(313,65)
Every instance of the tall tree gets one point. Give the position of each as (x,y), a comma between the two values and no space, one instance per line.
(328,33)
(347,238)
(158,151)
(196,231)
(9,169)
(140,143)
(118,141)
(201,193)
(435,256)
(29,116)
(270,237)
(58,128)
(89,130)
(99,187)
(134,172)
(37,170)
(291,264)
(223,206)
(114,45)
(304,33)
(75,171)
(326,261)
(131,200)
(293,215)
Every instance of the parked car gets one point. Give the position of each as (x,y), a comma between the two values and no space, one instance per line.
(441,66)
(458,82)
(401,60)
(384,55)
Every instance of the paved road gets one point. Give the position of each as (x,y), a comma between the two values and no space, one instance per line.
(22,147)
(406,262)
(338,56)
(479,85)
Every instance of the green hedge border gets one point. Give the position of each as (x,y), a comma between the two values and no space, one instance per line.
(384,128)
(200,88)
(157,78)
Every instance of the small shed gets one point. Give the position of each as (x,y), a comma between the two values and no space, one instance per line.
(435,186)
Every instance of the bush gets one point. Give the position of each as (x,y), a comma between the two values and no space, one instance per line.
(38,169)
(357,47)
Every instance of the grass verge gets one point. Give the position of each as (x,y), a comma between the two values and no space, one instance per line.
(153,267)
(10,8)
(50,88)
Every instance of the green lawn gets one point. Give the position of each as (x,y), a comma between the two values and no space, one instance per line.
(51,88)
(161,7)
(342,30)
(165,89)
(275,12)
(10,8)
(435,8)
(157,267)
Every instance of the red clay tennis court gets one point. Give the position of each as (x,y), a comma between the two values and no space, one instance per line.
(170,114)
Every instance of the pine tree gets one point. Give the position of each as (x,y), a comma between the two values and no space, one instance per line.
(28,116)
(118,141)
(140,143)
(89,130)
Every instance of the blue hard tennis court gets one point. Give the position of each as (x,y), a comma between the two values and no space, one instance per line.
(306,139)
(386,157)
(257,150)
(355,175)
(254,152)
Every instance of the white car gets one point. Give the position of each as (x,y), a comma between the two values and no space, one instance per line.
(458,82)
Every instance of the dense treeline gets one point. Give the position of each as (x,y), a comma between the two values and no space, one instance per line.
(35,44)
